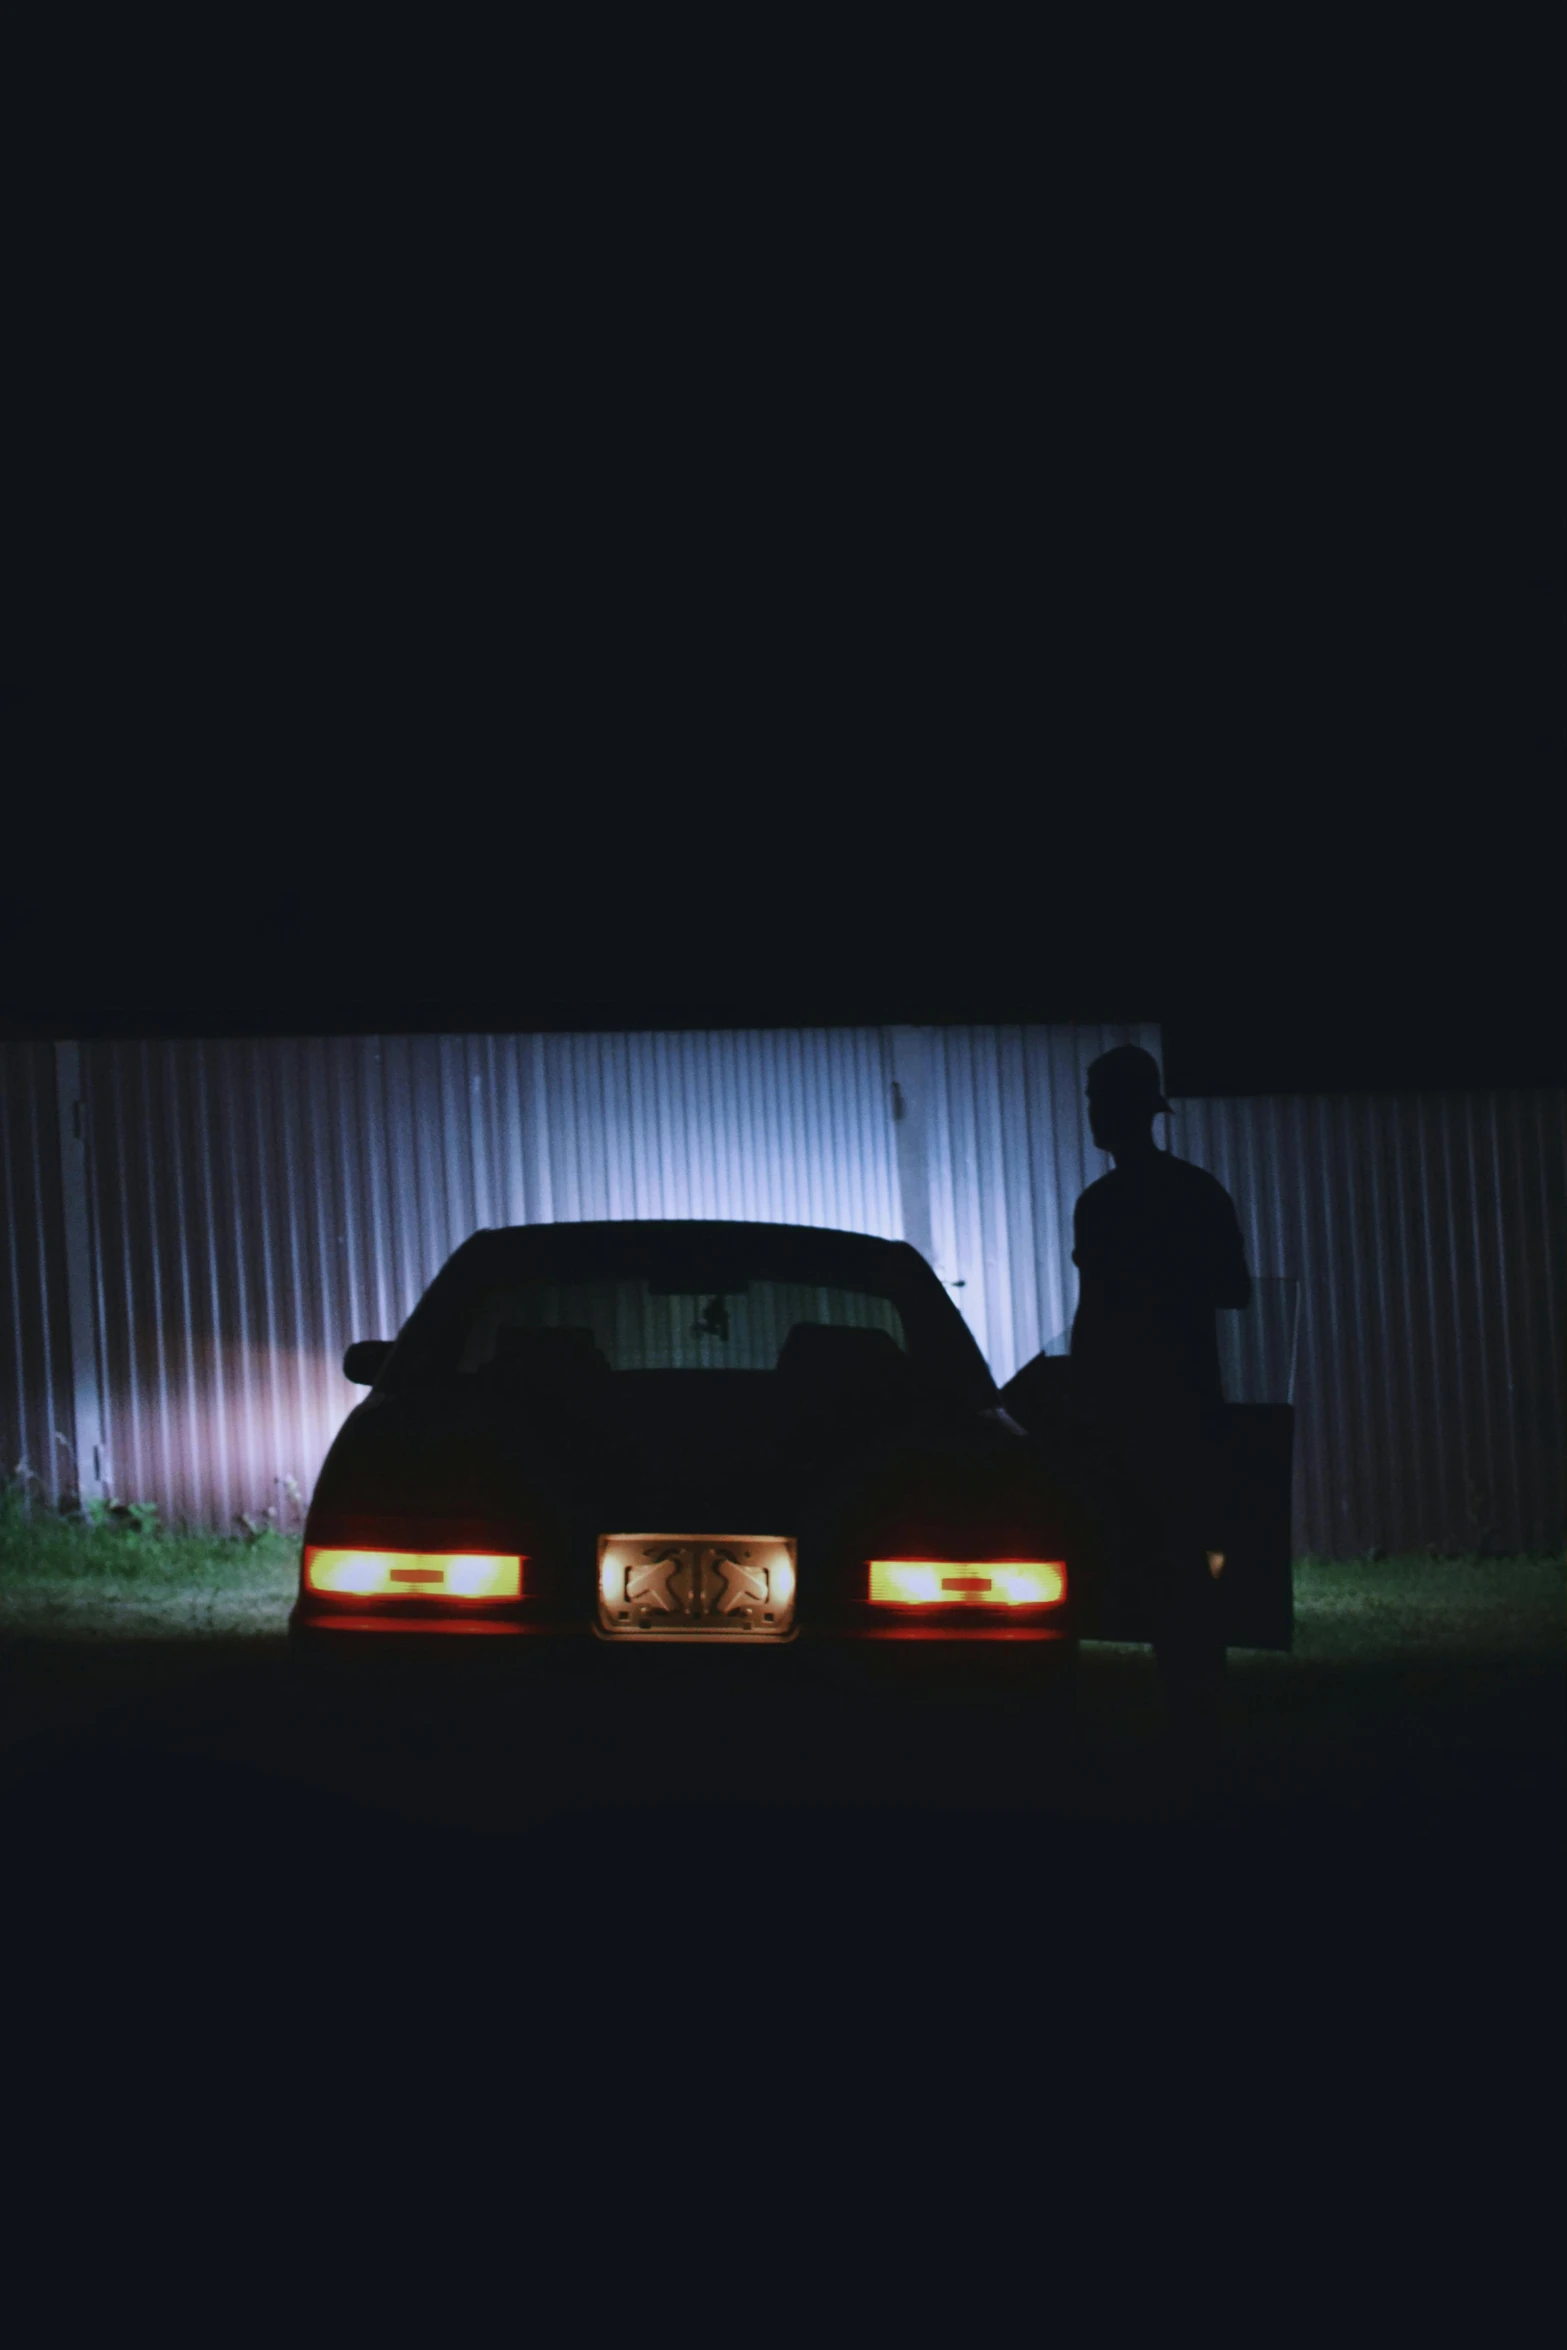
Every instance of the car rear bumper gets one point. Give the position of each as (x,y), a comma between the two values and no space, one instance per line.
(957,1635)
(317,1628)
(341,1630)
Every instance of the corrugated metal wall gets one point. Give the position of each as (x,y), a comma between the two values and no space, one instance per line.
(1429,1236)
(253,1206)
(260,1204)
(1007,1150)
(35,1329)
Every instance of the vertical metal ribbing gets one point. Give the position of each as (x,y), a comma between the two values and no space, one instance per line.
(38,1328)
(58,1361)
(20,1394)
(1487,1285)
(1381,1226)
(1543,1209)
(87,1434)
(908,1081)
(250,1207)
(220,1465)
(1427,1327)
(185,1430)
(1511,1461)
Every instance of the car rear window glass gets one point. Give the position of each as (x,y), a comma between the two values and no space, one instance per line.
(636,1327)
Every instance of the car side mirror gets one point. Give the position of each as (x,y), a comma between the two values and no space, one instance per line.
(365,1360)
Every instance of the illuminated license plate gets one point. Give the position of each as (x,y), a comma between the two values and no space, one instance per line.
(696,1586)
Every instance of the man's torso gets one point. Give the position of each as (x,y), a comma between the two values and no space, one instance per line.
(1154,1245)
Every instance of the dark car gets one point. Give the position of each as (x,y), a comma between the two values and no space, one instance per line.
(702,1432)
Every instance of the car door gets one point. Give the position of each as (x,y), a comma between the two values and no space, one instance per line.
(1257,1448)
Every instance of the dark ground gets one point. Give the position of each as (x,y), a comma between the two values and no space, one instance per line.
(741,1944)
(486,1808)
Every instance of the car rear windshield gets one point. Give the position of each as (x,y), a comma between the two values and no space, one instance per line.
(636,1326)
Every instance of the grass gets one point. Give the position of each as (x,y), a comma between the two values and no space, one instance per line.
(1421,1712)
(1417,1605)
(61,1578)
(128,1578)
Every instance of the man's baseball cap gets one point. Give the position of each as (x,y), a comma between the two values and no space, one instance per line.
(1127,1074)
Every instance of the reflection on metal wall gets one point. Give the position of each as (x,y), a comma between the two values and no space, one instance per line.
(259,1204)
(1259,1344)
(1428,1234)
(247,1208)
(1412,1255)
(35,1370)
(1002,1151)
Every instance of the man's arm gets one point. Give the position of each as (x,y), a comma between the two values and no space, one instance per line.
(1232,1280)
(1087,1255)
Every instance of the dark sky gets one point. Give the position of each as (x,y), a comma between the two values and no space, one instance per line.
(1007,631)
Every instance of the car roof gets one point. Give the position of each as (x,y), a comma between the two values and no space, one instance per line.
(779,1251)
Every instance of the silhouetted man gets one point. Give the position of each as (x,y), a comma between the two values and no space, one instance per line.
(1158,1248)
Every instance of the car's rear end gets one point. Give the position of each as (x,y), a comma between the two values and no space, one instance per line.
(723,1436)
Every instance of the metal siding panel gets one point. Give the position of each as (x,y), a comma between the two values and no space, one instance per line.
(1539,1285)
(184,1418)
(1510,1464)
(36,1408)
(639,1124)
(1427,1233)
(1327,1360)
(1056,1085)
(255,1205)
(80,1447)
(1003,1244)
(1490,1312)
(1382,1404)
(220,1459)
(275,1300)
(1330,1364)
(1422,1442)
(1447,1304)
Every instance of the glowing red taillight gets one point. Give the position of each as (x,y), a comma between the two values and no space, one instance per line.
(967,1583)
(410,1574)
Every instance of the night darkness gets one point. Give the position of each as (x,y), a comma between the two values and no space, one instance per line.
(954,638)
(1006,586)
